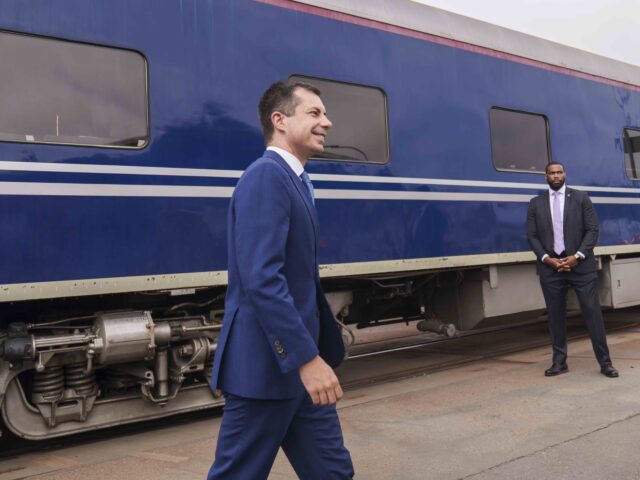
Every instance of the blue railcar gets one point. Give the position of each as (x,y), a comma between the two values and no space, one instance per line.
(124,126)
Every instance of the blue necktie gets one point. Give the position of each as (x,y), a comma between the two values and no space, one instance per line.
(558,231)
(307,183)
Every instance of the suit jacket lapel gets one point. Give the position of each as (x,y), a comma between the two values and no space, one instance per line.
(306,198)
(547,210)
(567,205)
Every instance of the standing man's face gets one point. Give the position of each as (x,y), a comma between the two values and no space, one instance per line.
(305,131)
(555,177)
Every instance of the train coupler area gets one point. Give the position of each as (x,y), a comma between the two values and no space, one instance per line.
(18,346)
(435,325)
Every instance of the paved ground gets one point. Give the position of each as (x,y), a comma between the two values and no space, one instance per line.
(496,418)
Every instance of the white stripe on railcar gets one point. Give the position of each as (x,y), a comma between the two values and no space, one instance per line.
(316,177)
(189,191)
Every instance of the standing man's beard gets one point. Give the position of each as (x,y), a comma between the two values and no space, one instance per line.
(555,186)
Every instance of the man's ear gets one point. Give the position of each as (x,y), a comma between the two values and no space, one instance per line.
(278,119)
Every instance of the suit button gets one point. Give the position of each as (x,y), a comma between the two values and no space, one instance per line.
(277,343)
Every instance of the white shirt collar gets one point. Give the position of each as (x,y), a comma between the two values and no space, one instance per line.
(562,190)
(290,158)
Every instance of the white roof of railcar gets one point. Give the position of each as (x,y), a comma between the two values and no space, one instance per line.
(434,21)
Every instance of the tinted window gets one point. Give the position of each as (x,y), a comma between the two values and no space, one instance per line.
(359,117)
(62,92)
(519,141)
(632,152)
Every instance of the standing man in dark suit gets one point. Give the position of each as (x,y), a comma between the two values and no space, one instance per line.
(279,341)
(562,229)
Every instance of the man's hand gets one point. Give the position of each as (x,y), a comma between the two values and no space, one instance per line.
(320,382)
(554,263)
(568,263)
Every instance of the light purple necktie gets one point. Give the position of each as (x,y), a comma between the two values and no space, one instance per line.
(558,233)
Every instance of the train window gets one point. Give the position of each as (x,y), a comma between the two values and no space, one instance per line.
(359,117)
(61,92)
(632,153)
(519,141)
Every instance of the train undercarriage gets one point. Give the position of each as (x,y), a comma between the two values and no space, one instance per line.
(78,364)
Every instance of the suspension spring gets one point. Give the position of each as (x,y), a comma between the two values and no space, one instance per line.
(49,382)
(76,378)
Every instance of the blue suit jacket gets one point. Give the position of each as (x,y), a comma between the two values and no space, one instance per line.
(276,315)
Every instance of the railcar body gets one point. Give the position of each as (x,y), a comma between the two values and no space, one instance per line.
(125,125)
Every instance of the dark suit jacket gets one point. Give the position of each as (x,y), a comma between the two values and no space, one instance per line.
(276,315)
(580,229)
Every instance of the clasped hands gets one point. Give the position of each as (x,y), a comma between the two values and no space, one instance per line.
(565,264)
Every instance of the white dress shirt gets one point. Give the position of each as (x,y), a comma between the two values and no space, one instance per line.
(552,192)
(290,158)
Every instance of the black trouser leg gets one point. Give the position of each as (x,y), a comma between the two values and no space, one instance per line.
(586,288)
(554,288)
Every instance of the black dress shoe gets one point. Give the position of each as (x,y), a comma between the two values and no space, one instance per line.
(609,371)
(556,369)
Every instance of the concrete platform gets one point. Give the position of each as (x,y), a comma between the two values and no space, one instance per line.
(495,418)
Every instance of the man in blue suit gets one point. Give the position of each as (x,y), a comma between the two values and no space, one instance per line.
(279,341)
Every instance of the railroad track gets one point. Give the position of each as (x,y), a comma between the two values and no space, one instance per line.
(499,349)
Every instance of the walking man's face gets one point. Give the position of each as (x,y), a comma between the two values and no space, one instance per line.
(555,177)
(305,131)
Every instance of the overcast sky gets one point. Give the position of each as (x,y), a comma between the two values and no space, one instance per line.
(607,27)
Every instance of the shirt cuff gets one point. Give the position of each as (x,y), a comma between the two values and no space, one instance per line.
(544,257)
(581,255)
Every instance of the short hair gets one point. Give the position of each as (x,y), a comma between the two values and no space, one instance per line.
(280,97)
(546,169)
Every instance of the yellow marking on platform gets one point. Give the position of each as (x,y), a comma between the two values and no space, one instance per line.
(57,461)
(163,457)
